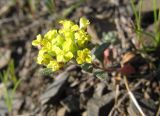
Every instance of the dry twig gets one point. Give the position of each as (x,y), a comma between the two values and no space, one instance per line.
(132,97)
(124,97)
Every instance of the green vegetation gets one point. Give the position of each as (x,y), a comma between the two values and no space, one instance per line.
(8,77)
(139,31)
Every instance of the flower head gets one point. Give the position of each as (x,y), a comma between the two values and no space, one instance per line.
(84,22)
(37,41)
(58,47)
(54,65)
(84,56)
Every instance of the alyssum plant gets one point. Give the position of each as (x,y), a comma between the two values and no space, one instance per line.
(57,47)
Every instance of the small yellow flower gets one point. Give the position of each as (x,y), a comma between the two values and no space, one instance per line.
(69,46)
(84,56)
(64,56)
(75,28)
(83,22)
(82,38)
(66,24)
(54,65)
(50,35)
(43,59)
(59,40)
(37,41)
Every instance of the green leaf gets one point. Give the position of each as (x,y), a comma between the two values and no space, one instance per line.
(50,5)
(8,76)
(46,71)
(87,67)
(99,51)
(103,75)
(110,37)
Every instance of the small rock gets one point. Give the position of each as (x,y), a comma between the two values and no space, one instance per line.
(2,89)
(3,108)
(84,113)
(83,87)
(37,112)
(28,105)
(18,103)
(71,103)
(75,83)
(5,55)
(54,90)
(23,73)
(101,89)
(86,95)
(100,106)
(61,112)
(87,10)
(51,112)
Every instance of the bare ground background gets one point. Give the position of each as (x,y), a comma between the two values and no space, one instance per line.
(74,92)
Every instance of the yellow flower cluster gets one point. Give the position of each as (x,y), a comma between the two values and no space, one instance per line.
(58,47)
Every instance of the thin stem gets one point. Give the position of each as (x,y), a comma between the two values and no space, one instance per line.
(146,33)
(139,14)
(155,11)
(155,17)
(156,21)
(138,20)
(158,112)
